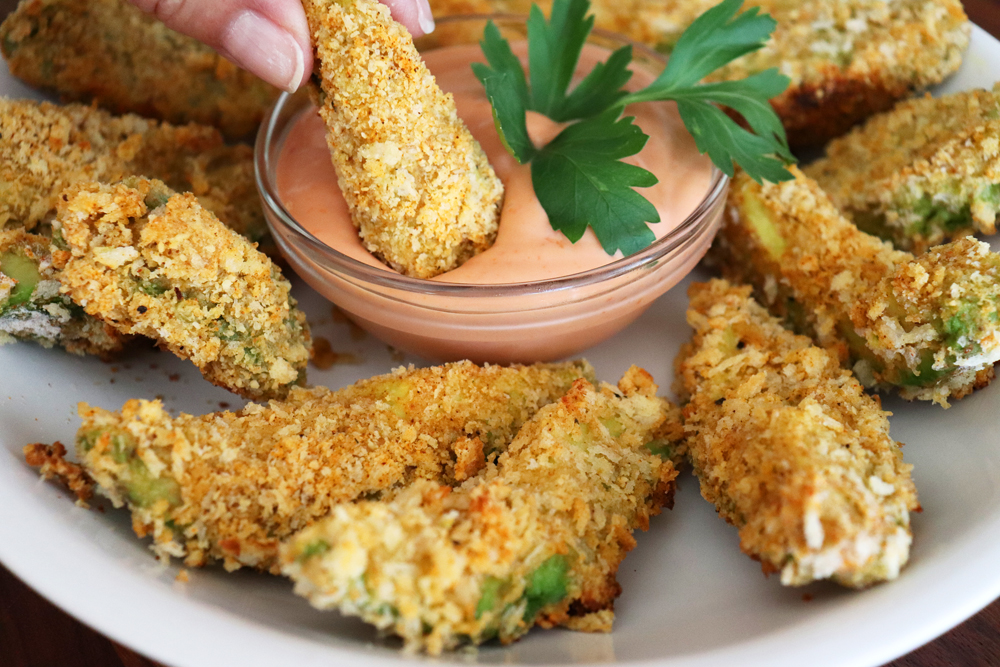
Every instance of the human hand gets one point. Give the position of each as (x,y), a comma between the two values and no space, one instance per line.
(267,37)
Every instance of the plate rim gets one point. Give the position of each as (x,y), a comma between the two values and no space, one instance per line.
(45,574)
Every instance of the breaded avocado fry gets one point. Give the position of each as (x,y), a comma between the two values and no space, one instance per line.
(534,539)
(45,148)
(418,185)
(32,307)
(928,326)
(157,264)
(847,59)
(230,486)
(111,53)
(924,173)
(789,448)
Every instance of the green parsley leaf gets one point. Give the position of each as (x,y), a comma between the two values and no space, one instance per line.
(712,41)
(600,89)
(726,142)
(580,181)
(553,53)
(554,50)
(578,176)
(507,92)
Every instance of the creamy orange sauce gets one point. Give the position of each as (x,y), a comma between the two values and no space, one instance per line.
(527,248)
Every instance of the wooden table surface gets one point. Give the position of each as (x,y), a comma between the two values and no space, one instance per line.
(34,633)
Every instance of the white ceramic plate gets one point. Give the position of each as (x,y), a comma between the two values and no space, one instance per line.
(690,597)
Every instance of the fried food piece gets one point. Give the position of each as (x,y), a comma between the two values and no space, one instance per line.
(45,148)
(109,52)
(52,464)
(32,308)
(154,263)
(924,173)
(928,326)
(847,59)
(535,538)
(418,186)
(789,448)
(230,486)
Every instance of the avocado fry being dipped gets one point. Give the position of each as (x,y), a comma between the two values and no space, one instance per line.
(417,184)
(534,539)
(929,326)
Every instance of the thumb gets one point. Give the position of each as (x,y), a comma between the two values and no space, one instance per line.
(267,37)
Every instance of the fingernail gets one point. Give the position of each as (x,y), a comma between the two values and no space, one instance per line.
(425,17)
(265,49)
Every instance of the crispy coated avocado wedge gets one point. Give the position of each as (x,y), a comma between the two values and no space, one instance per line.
(229,486)
(111,53)
(928,326)
(789,448)
(45,148)
(418,185)
(924,173)
(533,539)
(847,59)
(32,307)
(155,263)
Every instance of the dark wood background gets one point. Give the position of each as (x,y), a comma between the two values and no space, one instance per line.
(33,633)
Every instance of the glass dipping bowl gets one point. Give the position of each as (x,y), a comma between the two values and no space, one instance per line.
(501,323)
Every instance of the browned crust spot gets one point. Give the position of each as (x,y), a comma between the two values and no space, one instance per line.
(52,465)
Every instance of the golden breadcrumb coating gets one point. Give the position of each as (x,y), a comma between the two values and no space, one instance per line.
(535,538)
(111,53)
(847,59)
(32,308)
(929,326)
(789,448)
(418,185)
(230,486)
(151,262)
(45,148)
(52,465)
(924,173)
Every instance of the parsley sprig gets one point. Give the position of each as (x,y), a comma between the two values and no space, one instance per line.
(579,176)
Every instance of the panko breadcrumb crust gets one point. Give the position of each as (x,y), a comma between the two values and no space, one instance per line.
(52,465)
(33,308)
(847,59)
(534,539)
(155,263)
(928,326)
(789,448)
(418,185)
(229,486)
(111,53)
(45,148)
(926,172)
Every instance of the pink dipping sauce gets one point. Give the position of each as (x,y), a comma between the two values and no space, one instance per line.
(477,316)
(527,248)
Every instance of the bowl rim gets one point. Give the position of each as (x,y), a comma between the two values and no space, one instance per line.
(265,162)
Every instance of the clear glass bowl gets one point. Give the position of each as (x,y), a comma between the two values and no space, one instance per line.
(504,323)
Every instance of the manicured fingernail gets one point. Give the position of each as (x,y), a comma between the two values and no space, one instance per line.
(265,49)
(425,17)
